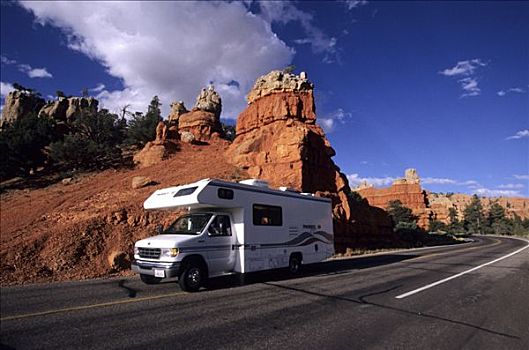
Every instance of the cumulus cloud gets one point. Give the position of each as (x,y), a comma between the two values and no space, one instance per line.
(170,49)
(466,70)
(27,69)
(511,90)
(521,177)
(519,135)
(284,12)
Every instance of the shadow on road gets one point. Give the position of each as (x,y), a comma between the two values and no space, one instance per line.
(334,267)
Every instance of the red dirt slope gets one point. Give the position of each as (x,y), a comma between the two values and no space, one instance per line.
(75,231)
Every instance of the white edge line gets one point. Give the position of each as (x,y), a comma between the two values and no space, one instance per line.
(458,275)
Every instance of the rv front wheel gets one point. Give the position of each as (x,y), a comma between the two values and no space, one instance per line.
(294,264)
(191,278)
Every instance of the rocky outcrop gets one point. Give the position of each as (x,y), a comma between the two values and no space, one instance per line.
(177,109)
(153,153)
(278,140)
(279,81)
(201,124)
(68,109)
(209,101)
(20,103)
(204,119)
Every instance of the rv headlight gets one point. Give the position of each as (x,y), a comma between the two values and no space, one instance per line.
(136,250)
(169,252)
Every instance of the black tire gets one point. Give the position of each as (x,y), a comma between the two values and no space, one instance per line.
(148,279)
(191,278)
(294,264)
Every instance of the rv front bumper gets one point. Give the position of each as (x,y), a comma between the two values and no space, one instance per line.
(155,268)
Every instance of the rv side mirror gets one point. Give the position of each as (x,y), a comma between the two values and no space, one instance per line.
(159,229)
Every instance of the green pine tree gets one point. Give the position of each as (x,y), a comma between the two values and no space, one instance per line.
(474,218)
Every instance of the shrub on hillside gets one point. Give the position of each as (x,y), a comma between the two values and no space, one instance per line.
(22,145)
(92,143)
(142,128)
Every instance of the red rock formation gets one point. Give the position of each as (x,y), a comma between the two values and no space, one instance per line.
(278,140)
(200,123)
(428,205)
(410,195)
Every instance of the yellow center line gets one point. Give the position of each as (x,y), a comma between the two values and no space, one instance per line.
(93,306)
(497,241)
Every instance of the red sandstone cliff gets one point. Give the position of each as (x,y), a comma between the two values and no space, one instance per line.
(428,205)
(278,140)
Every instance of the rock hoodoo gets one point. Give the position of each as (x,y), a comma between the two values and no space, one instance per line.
(204,119)
(278,140)
(20,103)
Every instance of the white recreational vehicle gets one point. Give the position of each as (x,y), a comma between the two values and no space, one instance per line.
(233,228)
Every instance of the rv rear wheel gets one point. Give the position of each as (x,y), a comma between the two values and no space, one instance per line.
(191,278)
(294,264)
(148,279)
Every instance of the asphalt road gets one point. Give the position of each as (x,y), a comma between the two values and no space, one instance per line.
(343,304)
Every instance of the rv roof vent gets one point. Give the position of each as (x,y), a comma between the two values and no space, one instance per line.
(287,189)
(255,182)
(307,194)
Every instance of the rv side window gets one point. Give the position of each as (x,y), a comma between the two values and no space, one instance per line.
(224,193)
(220,226)
(185,191)
(267,215)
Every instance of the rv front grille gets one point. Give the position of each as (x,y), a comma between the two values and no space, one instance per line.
(150,253)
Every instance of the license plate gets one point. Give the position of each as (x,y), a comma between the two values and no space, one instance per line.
(159,273)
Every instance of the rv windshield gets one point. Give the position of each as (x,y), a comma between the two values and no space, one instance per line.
(191,224)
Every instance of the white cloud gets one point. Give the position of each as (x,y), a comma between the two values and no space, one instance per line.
(284,12)
(438,181)
(100,87)
(27,69)
(521,177)
(464,68)
(486,192)
(328,121)
(520,134)
(351,4)
(170,49)
(327,124)
(355,180)
(5,89)
(470,86)
(511,186)
(515,90)
(6,60)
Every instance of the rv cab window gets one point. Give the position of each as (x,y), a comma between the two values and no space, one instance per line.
(191,224)
(267,215)
(220,226)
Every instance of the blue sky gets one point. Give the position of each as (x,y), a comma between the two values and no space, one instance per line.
(438,86)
